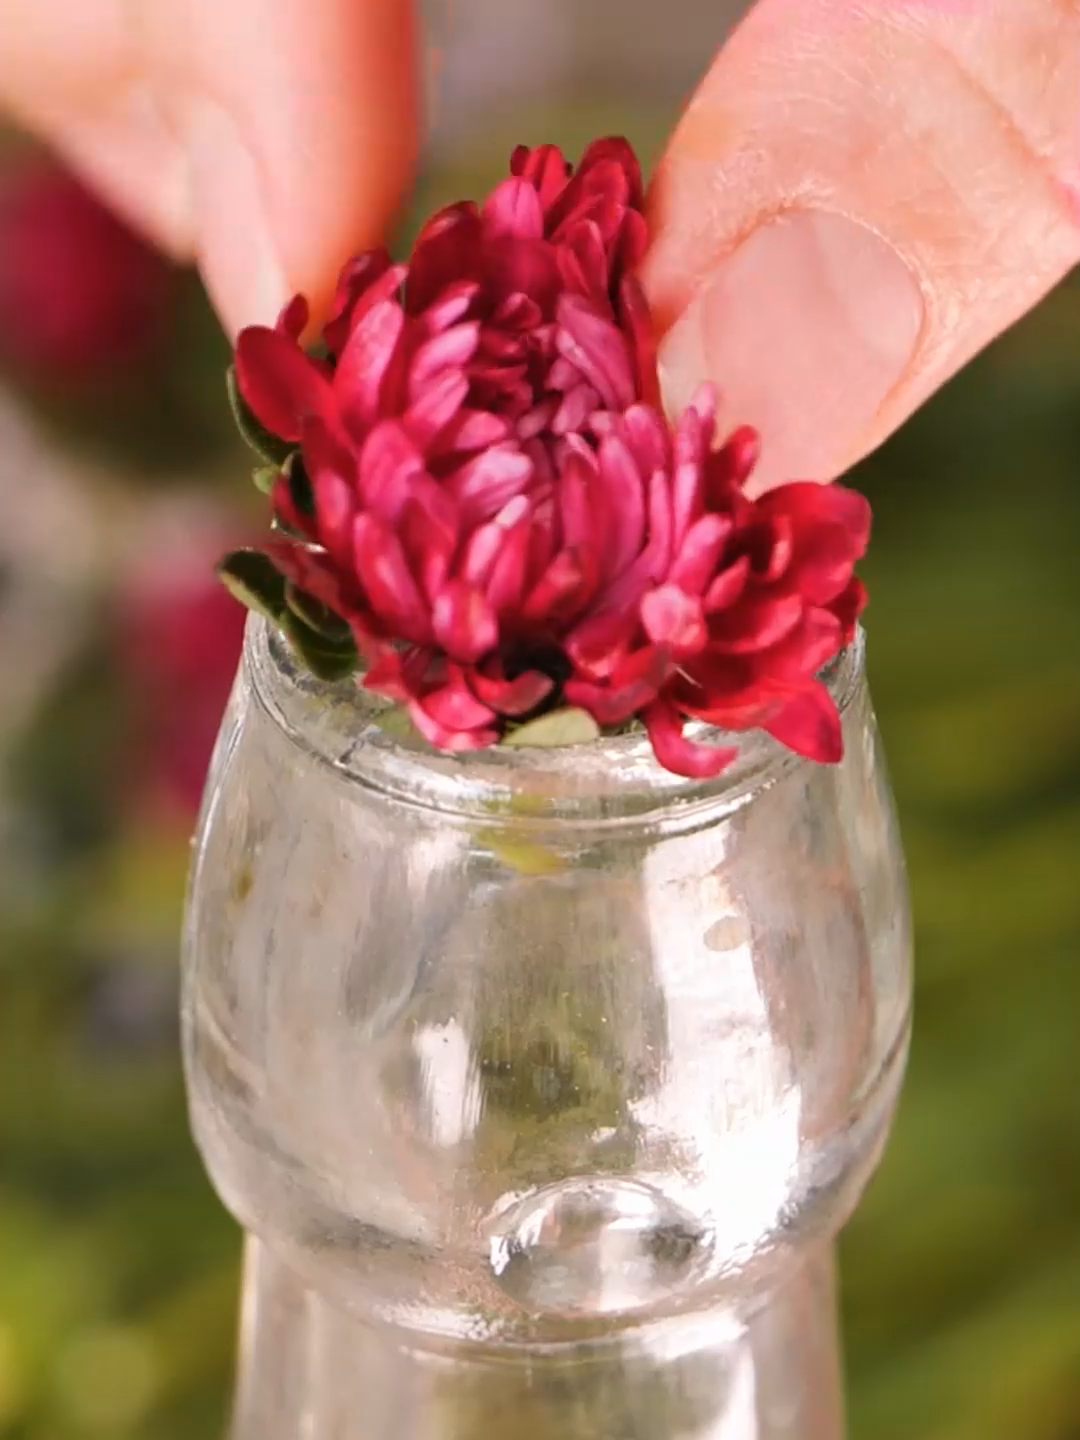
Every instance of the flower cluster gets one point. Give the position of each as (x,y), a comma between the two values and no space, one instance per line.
(478,500)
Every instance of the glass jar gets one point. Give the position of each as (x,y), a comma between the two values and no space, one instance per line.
(541,1080)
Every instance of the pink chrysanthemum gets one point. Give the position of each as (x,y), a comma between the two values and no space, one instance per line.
(484,491)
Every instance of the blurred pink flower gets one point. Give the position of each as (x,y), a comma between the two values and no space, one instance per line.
(178,641)
(81,295)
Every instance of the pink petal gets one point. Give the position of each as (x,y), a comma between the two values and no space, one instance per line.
(447,251)
(598,645)
(674,619)
(544,167)
(802,653)
(278,381)
(575,511)
(677,754)
(633,685)
(577,406)
(454,706)
(356,278)
(621,484)
(637,324)
(384,573)
(435,407)
(756,623)
(446,739)
(449,350)
(598,350)
(397,675)
(450,306)
(388,463)
(506,583)
(540,418)
(464,622)
(558,590)
(515,266)
(848,606)
(513,208)
(313,572)
(648,438)
(809,724)
(730,467)
(583,262)
(429,546)
(728,586)
(512,697)
(471,430)
(365,363)
(695,564)
(484,545)
(335,509)
(483,486)
(294,317)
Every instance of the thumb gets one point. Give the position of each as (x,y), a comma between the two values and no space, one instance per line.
(859,198)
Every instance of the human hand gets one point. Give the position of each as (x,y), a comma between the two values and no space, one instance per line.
(268,138)
(860,196)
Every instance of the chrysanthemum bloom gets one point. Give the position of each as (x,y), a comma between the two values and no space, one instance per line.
(478,482)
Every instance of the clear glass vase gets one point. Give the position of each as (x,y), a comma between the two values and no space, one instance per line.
(541,1080)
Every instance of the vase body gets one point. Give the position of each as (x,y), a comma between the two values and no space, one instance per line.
(540,1080)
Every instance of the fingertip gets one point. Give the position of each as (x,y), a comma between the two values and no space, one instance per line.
(299,123)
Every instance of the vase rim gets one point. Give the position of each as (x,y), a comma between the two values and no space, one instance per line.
(610,780)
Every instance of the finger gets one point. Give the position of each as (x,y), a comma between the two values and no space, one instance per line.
(298,122)
(859,198)
(271,138)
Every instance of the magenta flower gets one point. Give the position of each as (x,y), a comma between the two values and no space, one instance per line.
(482,501)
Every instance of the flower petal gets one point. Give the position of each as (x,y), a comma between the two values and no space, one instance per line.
(464,622)
(512,697)
(388,583)
(389,462)
(454,706)
(514,208)
(444,738)
(809,724)
(695,563)
(483,486)
(365,364)
(597,348)
(278,381)
(757,622)
(678,754)
(674,619)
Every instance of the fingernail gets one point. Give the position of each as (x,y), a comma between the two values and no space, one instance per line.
(233,238)
(806,328)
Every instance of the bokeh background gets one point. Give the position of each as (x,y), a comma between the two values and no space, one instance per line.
(120,484)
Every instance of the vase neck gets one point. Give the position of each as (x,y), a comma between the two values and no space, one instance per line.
(309,1371)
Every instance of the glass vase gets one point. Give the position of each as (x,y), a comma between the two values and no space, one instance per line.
(540,1079)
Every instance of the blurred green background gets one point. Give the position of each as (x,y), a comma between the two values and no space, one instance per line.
(118,1267)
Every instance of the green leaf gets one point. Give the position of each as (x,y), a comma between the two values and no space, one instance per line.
(250,576)
(317,616)
(265,477)
(558,727)
(296,475)
(326,659)
(397,723)
(267,446)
